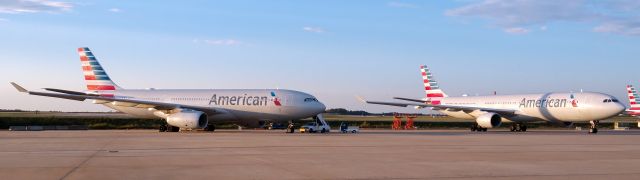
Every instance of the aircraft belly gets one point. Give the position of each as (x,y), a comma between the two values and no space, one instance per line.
(555,114)
(222,118)
(248,116)
(523,118)
(280,113)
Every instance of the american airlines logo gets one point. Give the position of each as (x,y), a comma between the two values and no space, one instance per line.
(275,99)
(243,100)
(549,102)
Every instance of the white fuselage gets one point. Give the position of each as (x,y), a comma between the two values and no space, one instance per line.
(553,107)
(247,107)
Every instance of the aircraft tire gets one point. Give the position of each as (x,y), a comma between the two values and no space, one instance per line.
(323,130)
(163,128)
(173,129)
(210,128)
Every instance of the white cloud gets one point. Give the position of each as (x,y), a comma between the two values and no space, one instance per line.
(522,12)
(623,5)
(626,28)
(401,5)
(33,6)
(517,30)
(219,42)
(614,16)
(115,10)
(313,29)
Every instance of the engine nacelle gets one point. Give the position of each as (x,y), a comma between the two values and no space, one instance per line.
(188,119)
(489,120)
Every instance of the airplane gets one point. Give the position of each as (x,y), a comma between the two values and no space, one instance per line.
(189,109)
(490,111)
(634,102)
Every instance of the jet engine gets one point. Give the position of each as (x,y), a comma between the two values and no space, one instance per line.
(188,119)
(489,120)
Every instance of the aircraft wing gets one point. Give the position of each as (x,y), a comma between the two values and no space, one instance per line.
(424,103)
(80,96)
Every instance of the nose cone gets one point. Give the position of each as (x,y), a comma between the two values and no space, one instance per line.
(612,109)
(602,111)
(320,108)
(619,108)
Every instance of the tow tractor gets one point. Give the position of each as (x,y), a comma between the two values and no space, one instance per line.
(345,128)
(318,125)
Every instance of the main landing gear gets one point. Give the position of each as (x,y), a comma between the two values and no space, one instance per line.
(475,127)
(168,128)
(594,127)
(517,127)
(210,128)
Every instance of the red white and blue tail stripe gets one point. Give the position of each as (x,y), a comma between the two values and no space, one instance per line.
(634,101)
(94,75)
(433,91)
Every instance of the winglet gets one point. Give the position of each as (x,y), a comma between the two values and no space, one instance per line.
(19,88)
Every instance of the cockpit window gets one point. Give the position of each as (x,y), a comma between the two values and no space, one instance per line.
(615,100)
(310,100)
(610,100)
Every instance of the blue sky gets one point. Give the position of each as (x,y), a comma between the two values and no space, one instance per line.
(332,49)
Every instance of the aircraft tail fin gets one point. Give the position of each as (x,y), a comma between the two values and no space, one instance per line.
(634,100)
(94,75)
(433,91)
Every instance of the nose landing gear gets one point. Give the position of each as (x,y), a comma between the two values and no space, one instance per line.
(290,127)
(594,127)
